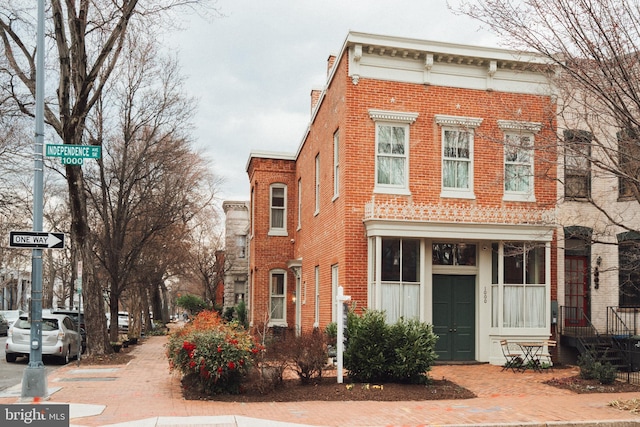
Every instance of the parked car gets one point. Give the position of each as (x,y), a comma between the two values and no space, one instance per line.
(59,339)
(4,325)
(73,314)
(123,322)
(11,315)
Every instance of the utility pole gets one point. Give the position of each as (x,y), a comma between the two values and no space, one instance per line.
(34,384)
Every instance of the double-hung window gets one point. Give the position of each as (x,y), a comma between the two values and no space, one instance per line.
(392,150)
(577,161)
(518,159)
(457,155)
(629,270)
(278,210)
(277,297)
(522,283)
(400,279)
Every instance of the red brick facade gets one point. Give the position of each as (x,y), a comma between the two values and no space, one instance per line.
(336,234)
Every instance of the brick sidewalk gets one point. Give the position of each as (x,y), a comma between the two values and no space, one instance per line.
(144,388)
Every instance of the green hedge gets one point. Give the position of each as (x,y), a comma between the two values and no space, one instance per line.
(379,352)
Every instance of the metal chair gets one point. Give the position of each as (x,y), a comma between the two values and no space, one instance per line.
(513,360)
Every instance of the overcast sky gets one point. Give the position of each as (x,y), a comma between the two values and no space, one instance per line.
(253,70)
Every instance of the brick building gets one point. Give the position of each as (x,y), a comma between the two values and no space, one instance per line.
(423,188)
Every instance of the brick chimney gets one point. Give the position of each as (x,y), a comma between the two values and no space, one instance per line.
(330,61)
(315,97)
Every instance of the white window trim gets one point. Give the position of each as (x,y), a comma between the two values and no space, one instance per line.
(336,164)
(283,321)
(460,123)
(522,128)
(393,118)
(316,309)
(453,192)
(317,184)
(299,203)
(278,231)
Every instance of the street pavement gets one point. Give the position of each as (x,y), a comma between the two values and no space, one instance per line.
(144,393)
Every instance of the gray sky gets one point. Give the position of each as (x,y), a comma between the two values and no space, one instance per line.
(253,70)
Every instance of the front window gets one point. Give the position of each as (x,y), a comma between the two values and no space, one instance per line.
(518,166)
(577,169)
(520,289)
(277,297)
(278,210)
(523,285)
(392,151)
(457,164)
(400,285)
(629,271)
(242,246)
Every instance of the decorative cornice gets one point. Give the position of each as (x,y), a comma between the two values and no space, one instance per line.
(458,214)
(393,116)
(519,125)
(468,122)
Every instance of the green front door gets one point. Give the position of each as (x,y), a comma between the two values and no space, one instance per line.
(454,316)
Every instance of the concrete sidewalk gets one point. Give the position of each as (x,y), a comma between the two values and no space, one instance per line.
(145,393)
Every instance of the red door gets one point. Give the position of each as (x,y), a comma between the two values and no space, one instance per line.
(576,291)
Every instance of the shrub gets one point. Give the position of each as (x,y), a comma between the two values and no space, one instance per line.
(413,344)
(367,354)
(591,369)
(241,312)
(308,355)
(215,355)
(376,351)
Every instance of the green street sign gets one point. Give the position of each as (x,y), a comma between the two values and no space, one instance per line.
(69,151)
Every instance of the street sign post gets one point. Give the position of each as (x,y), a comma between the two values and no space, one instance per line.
(36,240)
(71,154)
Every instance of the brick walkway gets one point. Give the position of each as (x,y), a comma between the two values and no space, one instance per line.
(144,388)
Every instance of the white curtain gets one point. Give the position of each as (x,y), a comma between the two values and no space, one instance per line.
(513,306)
(411,301)
(536,310)
(391,301)
(524,306)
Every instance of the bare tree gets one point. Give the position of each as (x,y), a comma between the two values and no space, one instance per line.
(595,47)
(149,179)
(87,38)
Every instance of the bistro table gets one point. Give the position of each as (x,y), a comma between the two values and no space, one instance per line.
(530,352)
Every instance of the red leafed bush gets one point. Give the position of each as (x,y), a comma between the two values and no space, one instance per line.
(211,354)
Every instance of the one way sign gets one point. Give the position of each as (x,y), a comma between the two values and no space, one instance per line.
(36,240)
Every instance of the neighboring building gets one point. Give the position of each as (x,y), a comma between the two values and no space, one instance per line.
(419,188)
(236,261)
(15,290)
(599,291)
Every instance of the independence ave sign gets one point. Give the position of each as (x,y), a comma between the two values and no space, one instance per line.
(36,240)
(73,154)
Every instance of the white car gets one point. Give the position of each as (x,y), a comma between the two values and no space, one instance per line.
(12,315)
(59,338)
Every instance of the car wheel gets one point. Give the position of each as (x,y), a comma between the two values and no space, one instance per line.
(65,357)
(11,357)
